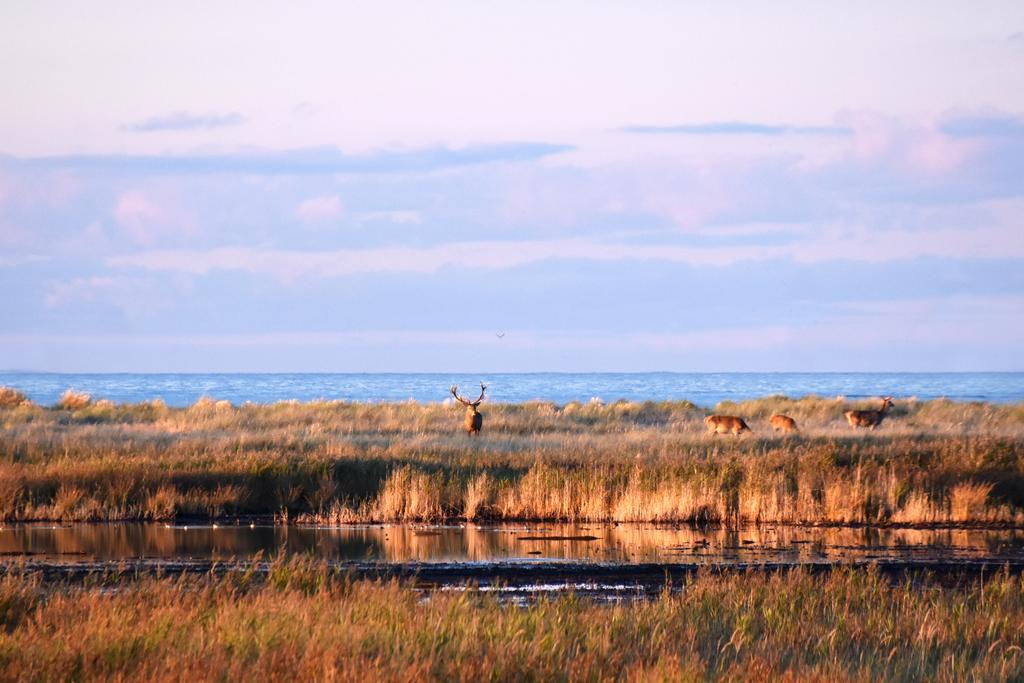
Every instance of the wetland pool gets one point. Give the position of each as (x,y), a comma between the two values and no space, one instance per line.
(608,544)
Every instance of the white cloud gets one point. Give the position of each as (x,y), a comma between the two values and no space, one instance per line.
(136,213)
(132,296)
(398,217)
(920,147)
(144,219)
(9,261)
(982,322)
(319,209)
(828,243)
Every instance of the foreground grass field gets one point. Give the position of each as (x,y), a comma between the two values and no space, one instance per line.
(933,462)
(303,622)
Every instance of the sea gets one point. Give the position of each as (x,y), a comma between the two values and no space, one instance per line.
(702,389)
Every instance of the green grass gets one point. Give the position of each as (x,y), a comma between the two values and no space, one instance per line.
(930,463)
(305,622)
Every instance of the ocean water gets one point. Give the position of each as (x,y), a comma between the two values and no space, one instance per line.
(704,389)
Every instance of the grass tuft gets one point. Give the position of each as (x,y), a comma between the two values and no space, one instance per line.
(73,400)
(12,398)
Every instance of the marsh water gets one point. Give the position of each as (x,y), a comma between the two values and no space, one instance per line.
(623,544)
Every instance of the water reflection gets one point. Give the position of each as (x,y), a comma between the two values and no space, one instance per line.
(623,543)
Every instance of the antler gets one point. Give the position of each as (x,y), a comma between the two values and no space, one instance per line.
(455,390)
(466,402)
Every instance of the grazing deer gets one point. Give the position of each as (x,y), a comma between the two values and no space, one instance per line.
(723,424)
(783,423)
(868,418)
(474,419)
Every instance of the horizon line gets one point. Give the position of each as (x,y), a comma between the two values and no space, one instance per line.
(512,372)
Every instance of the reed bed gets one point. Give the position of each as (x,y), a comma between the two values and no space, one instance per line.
(930,463)
(304,621)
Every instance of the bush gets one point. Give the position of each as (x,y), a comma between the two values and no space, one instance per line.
(74,400)
(12,398)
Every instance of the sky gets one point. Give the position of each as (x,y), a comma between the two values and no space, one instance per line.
(641,186)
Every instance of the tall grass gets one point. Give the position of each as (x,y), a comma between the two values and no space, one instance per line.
(934,462)
(12,398)
(74,400)
(304,622)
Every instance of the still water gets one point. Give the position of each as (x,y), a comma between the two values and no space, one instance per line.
(703,389)
(622,543)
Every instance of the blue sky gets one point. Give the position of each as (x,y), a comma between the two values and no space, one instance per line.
(614,186)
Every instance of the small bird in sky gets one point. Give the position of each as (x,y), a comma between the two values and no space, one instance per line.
(499,335)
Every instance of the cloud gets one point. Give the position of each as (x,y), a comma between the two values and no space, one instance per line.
(183,120)
(289,265)
(12,261)
(980,126)
(317,160)
(961,323)
(738,128)
(398,217)
(144,218)
(969,333)
(134,210)
(919,149)
(929,146)
(51,189)
(829,243)
(929,322)
(139,216)
(731,338)
(319,209)
(132,296)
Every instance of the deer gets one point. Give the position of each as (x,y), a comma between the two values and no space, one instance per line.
(474,419)
(868,418)
(723,424)
(783,423)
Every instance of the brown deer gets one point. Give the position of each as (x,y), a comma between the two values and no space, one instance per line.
(783,423)
(868,418)
(724,424)
(474,419)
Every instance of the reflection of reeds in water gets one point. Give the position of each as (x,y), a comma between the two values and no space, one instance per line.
(933,462)
(121,541)
(610,543)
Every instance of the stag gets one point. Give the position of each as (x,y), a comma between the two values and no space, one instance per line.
(868,418)
(783,423)
(724,424)
(474,419)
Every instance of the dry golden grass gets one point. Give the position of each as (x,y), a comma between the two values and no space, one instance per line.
(75,400)
(305,622)
(935,462)
(12,398)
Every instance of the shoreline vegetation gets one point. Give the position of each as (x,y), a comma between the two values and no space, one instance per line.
(302,619)
(930,463)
